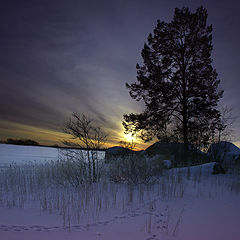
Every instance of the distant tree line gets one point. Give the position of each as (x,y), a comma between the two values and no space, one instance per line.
(21,142)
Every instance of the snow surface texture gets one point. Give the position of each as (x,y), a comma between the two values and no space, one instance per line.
(186,204)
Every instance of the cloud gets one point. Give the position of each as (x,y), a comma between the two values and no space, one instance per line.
(58,57)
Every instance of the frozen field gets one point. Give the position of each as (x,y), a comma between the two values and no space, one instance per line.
(184,204)
(24,154)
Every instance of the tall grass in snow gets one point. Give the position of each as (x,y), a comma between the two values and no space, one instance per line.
(46,185)
(60,187)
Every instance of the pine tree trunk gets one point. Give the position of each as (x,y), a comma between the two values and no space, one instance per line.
(185,120)
(185,134)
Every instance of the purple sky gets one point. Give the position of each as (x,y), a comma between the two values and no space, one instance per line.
(62,56)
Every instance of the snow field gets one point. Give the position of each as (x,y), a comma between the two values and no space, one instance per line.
(20,185)
(185,203)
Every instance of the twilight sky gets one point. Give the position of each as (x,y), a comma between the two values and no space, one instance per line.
(62,56)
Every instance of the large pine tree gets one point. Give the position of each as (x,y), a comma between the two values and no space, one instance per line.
(177,81)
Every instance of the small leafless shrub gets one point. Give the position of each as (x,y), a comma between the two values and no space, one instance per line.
(133,169)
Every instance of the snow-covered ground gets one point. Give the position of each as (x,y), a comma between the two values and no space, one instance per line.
(19,154)
(22,154)
(184,204)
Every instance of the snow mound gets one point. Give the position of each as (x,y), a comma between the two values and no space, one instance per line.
(224,152)
(205,168)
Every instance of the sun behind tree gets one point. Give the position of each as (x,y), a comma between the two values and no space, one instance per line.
(129,137)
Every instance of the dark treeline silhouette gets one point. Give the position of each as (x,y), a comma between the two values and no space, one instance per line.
(21,142)
(29,142)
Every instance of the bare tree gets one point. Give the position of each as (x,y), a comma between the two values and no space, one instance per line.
(90,137)
(98,141)
(225,123)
